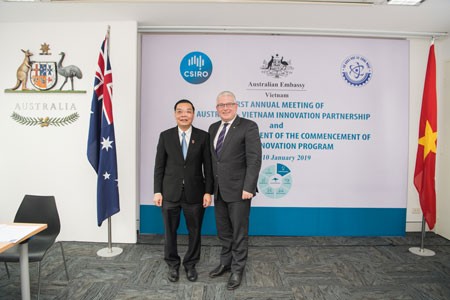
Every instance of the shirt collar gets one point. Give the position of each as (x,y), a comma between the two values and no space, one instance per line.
(188,132)
(229,122)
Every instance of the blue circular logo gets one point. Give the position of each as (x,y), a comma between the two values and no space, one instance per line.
(196,67)
(356,70)
(275,181)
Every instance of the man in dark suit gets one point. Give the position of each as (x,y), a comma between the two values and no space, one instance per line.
(183,181)
(236,159)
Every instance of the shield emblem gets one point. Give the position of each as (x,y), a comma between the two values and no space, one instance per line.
(43,75)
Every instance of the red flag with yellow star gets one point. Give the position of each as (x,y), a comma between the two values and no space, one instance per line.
(426,152)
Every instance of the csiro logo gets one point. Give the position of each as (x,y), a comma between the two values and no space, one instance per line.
(196,67)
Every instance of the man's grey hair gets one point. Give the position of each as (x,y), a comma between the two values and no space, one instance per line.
(226,93)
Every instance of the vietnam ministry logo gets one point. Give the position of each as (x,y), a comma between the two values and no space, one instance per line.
(196,67)
(356,70)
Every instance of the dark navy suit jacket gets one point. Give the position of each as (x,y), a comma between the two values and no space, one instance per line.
(171,170)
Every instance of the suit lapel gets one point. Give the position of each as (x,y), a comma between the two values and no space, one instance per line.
(231,132)
(191,142)
(214,130)
(176,139)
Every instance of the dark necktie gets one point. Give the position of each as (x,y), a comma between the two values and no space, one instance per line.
(220,139)
(183,144)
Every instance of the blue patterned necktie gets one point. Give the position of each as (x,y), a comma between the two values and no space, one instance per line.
(183,144)
(220,139)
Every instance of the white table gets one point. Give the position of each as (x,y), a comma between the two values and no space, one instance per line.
(21,234)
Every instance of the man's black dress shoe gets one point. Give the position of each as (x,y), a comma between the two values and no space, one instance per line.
(234,281)
(191,274)
(173,274)
(219,270)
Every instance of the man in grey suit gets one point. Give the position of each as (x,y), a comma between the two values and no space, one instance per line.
(236,159)
(183,181)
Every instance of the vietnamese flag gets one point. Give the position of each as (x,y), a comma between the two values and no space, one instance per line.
(426,152)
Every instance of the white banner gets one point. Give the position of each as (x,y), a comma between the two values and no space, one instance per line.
(332,112)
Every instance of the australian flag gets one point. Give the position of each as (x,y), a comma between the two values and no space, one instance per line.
(101,147)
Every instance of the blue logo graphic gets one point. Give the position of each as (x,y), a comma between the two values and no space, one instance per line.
(275,181)
(356,70)
(196,67)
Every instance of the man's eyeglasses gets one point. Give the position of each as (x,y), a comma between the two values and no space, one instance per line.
(225,105)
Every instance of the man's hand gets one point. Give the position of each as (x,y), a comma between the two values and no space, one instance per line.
(206,200)
(246,195)
(157,199)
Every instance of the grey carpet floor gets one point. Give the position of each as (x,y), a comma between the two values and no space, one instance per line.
(278,268)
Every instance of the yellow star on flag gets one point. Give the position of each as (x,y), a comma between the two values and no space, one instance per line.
(428,141)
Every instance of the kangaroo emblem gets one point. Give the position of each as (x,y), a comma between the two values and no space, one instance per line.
(22,71)
(269,64)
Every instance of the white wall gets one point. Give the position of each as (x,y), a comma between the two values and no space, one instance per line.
(52,160)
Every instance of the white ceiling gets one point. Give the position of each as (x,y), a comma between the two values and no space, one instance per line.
(430,16)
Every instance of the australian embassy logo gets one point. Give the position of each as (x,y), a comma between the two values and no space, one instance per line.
(277,67)
(196,67)
(356,70)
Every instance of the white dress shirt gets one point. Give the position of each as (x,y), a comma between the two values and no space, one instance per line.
(188,136)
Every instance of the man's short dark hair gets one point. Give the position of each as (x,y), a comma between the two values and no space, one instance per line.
(183,101)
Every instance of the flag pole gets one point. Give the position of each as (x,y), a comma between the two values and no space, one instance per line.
(110,251)
(424,173)
(422,251)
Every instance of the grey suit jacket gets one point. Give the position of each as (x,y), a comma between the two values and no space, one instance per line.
(239,164)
